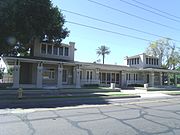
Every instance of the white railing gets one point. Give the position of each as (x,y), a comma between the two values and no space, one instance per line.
(90,81)
(135,82)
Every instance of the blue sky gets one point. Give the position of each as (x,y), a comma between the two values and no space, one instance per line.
(88,40)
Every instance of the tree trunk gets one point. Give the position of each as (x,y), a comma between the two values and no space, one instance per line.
(34,41)
(103,59)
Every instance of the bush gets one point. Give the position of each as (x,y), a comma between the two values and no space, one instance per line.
(91,85)
(135,85)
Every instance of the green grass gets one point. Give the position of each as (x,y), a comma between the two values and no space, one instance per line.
(97,95)
(173,93)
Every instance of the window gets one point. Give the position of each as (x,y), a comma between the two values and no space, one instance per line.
(147,78)
(49,49)
(80,74)
(127,61)
(152,61)
(132,61)
(66,51)
(113,77)
(103,77)
(129,77)
(134,76)
(108,78)
(149,60)
(43,48)
(89,75)
(55,50)
(117,78)
(157,62)
(61,51)
(64,78)
(137,60)
(49,74)
(146,60)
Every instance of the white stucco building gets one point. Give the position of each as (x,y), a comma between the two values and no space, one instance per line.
(54,66)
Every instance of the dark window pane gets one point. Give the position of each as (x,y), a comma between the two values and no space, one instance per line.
(137,60)
(55,50)
(146,60)
(43,48)
(149,60)
(49,49)
(60,50)
(66,51)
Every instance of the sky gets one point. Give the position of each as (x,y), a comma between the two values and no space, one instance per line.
(87,40)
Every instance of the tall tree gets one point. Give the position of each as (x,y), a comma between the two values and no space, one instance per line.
(24,21)
(103,50)
(166,51)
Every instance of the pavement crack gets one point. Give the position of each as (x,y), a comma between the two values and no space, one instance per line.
(25,120)
(74,123)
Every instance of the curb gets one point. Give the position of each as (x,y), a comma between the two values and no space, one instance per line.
(66,98)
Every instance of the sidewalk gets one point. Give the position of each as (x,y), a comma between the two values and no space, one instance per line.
(147,94)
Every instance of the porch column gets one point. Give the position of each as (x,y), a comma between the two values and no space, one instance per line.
(39,75)
(123,79)
(152,79)
(97,75)
(169,81)
(78,83)
(74,75)
(160,78)
(175,80)
(60,75)
(16,74)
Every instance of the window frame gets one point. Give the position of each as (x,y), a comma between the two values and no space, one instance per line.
(51,72)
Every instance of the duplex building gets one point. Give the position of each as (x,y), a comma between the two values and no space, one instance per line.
(53,65)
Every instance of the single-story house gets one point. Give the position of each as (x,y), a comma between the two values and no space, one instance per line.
(53,65)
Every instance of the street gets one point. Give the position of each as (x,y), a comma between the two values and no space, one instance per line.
(141,117)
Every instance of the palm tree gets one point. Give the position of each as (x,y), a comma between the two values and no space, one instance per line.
(103,50)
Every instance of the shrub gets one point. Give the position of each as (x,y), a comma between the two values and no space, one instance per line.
(91,85)
(136,85)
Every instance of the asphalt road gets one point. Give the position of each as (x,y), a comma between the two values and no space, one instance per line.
(143,117)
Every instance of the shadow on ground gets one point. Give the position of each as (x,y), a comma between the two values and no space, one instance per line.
(48,99)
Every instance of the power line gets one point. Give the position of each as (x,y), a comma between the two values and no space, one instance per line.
(109,31)
(156,9)
(157,23)
(115,24)
(150,11)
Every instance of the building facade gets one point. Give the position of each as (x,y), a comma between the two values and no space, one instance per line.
(53,65)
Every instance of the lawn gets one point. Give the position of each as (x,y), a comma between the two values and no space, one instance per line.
(174,93)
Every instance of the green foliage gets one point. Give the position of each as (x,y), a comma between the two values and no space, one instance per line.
(1,72)
(23,21)
(91,85)
(166,51)
(103,50)
(10,71)
(135,85)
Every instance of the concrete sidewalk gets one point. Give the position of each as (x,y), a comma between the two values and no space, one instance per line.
(146,94)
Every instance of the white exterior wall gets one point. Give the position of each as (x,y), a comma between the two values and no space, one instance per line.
(71,46)
(142,61)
